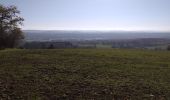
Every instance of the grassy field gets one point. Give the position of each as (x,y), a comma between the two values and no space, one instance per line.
(83,74)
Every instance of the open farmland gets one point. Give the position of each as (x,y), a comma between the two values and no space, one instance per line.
(73,74)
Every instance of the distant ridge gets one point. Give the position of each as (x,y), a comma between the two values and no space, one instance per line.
(48,35)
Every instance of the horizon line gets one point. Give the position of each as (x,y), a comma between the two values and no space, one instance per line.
(96,30)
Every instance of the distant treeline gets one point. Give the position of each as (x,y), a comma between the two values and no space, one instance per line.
(47,45)
(148,43)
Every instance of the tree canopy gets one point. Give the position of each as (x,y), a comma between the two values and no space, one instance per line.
(10,22)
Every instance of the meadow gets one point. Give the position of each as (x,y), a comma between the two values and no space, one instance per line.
(84,74)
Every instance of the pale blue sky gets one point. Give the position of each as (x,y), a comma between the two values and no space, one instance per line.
(152,15)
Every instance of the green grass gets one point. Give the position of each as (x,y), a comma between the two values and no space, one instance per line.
(73,74)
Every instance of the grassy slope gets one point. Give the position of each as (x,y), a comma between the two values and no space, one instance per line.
(84,74)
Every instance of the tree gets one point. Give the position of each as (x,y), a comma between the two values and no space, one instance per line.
(51,46)
(168,48)
(10,22)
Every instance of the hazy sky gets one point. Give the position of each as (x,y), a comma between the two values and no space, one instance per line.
(94,14)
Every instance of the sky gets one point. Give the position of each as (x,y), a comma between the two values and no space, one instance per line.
(128,15)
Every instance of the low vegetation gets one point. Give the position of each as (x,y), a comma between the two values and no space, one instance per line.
(70,74)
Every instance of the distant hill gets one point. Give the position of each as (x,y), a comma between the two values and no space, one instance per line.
(41,35)
(96,39)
